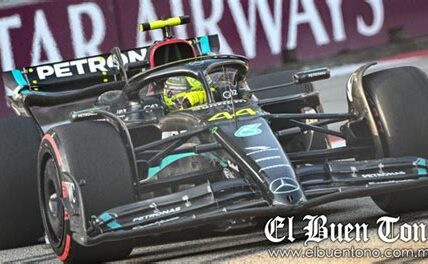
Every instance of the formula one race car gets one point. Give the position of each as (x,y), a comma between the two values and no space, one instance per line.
(171,137)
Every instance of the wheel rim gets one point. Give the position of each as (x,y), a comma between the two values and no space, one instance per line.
(53,207)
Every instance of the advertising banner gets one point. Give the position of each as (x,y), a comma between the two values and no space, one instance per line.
(269,32)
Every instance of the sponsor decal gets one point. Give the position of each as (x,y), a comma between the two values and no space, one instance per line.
(157,213)
(99,64)
(259,149)
(158,223)
(248,130)
(274,167)
(283,185)
(267,158)
(227,94)
(391,181)
(207,106)
(228,116)
(317,229)
(383,174)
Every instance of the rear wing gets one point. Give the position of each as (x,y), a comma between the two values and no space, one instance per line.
(88,71)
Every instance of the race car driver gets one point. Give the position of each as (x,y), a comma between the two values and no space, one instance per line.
(183,92)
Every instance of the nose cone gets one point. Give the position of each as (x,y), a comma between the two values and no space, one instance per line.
(258,147)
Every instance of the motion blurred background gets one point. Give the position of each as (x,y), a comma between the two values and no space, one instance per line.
(274,34)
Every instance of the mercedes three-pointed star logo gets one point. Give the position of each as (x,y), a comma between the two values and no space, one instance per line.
(283,185)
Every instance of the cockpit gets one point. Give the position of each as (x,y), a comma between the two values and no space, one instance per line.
(192,83)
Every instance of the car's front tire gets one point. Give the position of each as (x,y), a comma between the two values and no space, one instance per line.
(94,155)
(399,101)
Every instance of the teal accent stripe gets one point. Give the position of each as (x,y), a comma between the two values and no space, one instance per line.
(421,162)
(422,171)
(168,160)
(19,78)
(315,70)
(24,92)
(205,45)
(114,225)
(105,217)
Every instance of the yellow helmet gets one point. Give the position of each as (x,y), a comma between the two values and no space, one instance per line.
(182,92)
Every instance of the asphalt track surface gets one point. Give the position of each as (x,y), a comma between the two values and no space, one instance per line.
(251,247)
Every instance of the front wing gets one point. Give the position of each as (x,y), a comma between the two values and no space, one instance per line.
(237,200)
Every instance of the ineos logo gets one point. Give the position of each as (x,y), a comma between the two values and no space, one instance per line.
(283,185)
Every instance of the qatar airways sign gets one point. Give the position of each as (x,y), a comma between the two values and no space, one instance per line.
(266,31)
(278,23)
(263,29)
(49,32)
(259,29)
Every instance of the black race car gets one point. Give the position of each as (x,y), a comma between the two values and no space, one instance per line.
(107,160)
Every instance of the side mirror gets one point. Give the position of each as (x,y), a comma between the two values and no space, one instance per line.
(311,75)
(299,78)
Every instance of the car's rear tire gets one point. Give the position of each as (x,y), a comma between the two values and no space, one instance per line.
(20,221)
(399,99)
(93,153)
